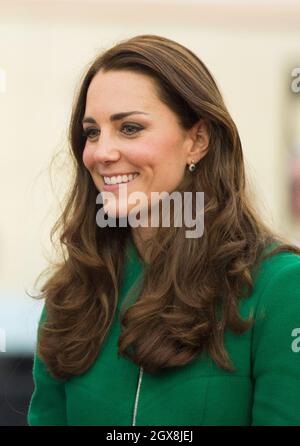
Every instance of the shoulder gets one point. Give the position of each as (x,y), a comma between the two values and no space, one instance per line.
(276,269)
(277,304)
(277,279)
(275,346)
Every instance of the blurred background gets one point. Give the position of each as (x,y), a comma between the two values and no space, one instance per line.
(251,48)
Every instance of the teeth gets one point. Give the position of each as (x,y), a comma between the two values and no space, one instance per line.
(120,179)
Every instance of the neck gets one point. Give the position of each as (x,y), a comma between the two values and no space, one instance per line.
(142,239)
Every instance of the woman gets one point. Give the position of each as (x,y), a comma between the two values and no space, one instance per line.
(207,334)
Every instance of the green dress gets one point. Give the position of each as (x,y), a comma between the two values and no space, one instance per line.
(263,390)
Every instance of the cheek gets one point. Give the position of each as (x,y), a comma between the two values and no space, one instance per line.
(87,158)
(149,154)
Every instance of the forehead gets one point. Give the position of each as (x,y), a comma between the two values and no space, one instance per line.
(121,87)
(114,92)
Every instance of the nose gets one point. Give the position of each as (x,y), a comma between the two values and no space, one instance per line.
(106,150)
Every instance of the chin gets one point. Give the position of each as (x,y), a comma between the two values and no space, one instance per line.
(121,212)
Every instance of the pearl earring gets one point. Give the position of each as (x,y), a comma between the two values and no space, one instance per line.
(192,166)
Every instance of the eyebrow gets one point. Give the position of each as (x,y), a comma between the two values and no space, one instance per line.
(115,117)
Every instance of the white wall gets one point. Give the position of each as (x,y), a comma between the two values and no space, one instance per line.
(44,49)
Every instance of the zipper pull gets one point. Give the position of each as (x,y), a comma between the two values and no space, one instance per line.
(137,395)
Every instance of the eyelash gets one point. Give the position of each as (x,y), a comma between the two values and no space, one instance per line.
(87,132)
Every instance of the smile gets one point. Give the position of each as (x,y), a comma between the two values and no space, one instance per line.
(120,178)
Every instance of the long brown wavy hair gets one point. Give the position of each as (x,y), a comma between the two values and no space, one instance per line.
(188,280)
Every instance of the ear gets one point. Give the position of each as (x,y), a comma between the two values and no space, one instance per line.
(198,141)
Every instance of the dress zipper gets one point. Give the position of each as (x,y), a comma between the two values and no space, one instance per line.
(137,396)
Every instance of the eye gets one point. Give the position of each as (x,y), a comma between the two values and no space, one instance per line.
(132,128)
(88,133)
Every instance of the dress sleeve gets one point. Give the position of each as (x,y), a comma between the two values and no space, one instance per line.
(276,350)
(47,406)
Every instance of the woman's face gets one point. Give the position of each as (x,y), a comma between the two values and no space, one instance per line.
(148,141)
